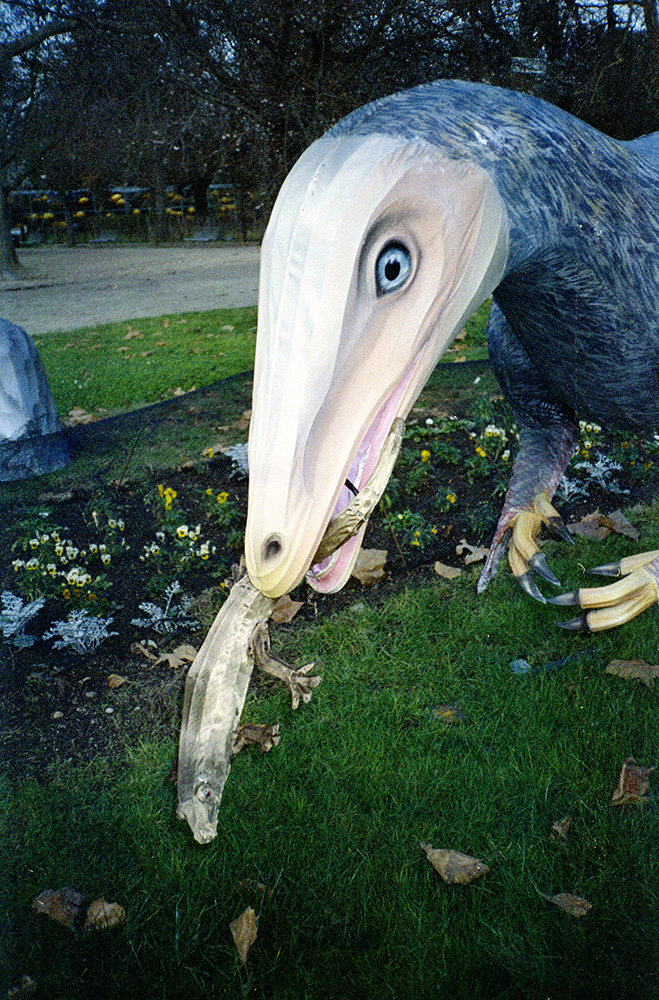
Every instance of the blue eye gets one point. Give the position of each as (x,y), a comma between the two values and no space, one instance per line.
(393,267)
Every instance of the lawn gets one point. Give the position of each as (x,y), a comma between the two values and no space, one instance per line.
(423,729)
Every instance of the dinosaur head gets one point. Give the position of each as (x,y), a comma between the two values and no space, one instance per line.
(377,251)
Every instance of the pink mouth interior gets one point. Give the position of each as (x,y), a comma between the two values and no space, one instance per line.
(330,575)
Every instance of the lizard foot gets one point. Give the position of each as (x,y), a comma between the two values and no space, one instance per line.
(299,684)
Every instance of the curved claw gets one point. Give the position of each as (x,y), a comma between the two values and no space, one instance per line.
(626,565)
(529,586)
(558,527)
(569,600)
(539,564)
(579,624)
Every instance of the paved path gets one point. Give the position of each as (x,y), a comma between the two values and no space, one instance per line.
(67,287)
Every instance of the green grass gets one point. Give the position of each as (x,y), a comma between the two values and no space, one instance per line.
(333,817)
(119,366)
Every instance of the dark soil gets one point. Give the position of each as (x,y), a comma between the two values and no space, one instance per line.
(57,706)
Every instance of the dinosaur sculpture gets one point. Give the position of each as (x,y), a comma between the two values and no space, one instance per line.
(387,235)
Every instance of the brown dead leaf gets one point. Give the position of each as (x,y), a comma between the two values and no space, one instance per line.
(455,868)
(617,522)
(560,829)
(132,332)
(243,423)
(574,905)
(474,552)
(633,784)
(79,416)
(637,670)
(62,905)
(116,680)
(285,609)
(243,932)
(137,647)
(27,988)
(255,734)
(448,572)
(102,915)
(177,657)
(369,567)
(592,526)
(450,714)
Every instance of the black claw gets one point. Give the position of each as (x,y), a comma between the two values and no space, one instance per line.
(570,600)
(607,569)
(579,624)
(528,584)
(558,526)
(539,563)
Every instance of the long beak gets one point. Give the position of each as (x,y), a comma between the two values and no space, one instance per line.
(340,357)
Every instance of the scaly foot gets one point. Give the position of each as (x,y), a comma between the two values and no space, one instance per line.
(524,556)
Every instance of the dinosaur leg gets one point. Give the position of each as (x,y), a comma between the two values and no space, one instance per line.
(606,607)
(546,444)
(543,457)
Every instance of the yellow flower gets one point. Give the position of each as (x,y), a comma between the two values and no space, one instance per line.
(451,497)
(66,593)
(481,451)
(425,455)
(222,497)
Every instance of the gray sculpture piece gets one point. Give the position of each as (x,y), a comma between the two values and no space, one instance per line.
(32,438)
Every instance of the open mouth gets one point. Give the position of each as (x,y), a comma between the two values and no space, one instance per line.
(363,487)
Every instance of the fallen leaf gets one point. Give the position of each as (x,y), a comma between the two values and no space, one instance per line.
(633,784)
(285,609)
(447,713)
(177,657)
(243,932)
(263,736)
(137,647)
(116,680)
(369,567)
(619,523)
(133,333)
(591,526)
(574,905)
(455,868)
(637,670)
(27,988)
(243,423)
(560,829)
(448,572)
(62,905)
(79,416)
(102,915)
(474,552)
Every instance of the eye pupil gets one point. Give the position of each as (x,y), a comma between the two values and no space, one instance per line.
(393,268)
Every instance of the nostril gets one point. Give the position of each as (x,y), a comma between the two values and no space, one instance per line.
(272,547)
